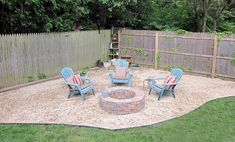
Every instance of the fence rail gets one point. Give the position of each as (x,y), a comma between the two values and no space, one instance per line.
(26,57)
(195,52)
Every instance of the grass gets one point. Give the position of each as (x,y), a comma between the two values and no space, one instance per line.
(213,122)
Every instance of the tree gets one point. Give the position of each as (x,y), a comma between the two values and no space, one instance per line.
(19,16)
(201,13)
(218,7)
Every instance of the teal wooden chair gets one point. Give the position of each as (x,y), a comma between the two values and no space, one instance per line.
(75,88)
(124,80)
(164,89)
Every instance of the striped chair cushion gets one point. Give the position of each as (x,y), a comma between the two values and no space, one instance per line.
(170,79)
(120,73)
(76,79)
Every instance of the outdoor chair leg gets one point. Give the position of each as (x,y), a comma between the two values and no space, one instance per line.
(159,97)
(93,92)
(83,97)
(69,94)
(173,94)
(129,84)
(160,94)
(150,90)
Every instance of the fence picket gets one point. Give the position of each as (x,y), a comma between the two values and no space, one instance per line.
(23,56)
(195,52)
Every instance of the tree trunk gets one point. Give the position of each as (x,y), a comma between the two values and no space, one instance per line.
(204,21)
(206,4)
(197,16)
(214,25)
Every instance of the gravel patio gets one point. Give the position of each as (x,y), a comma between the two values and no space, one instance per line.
(47,102)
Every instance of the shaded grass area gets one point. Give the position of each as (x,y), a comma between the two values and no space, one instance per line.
(215,122)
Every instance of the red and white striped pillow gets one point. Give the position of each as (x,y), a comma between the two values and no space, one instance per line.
(120,72)
(170,79)
(76,79)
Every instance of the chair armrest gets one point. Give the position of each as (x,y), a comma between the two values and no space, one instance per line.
(169,84)
(128,71)
(159,78)
(111,74)
(72,84)
(88,79)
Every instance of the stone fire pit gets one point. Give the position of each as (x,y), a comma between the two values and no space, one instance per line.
(122,100)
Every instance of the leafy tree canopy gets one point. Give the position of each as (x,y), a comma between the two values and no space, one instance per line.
(20,16)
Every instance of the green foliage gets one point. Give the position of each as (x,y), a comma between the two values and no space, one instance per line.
(174,49)
(181,32)
(158,54)
(233,58)
(84,70)
(190,69)
(213,122)
(138,51)
(224,34)
(145,54)
(221,35)
(66,15)
(42,15)
(41,76)
(128,40)
(141,52)
(169,16)
(30,78)
(125,51)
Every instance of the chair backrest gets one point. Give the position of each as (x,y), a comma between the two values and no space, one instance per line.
(121,63)
(178,73)
(67,72)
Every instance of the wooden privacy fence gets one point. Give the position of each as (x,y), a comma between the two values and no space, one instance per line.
(26,57)
(201,53)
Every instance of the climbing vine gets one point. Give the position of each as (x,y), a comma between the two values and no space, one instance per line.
(125,51)
(158,55)
(221,35)
(138,51)
(128,40)
(181,32)
(141,52)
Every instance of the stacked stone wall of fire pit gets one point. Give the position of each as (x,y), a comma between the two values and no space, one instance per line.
(122,101)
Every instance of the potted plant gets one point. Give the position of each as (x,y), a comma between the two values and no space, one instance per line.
(83,72)
(106,62)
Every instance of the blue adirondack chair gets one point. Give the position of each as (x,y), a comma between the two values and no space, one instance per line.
(75,88)
(162,89)
(127,80)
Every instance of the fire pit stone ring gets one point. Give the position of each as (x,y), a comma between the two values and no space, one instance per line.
(122,100)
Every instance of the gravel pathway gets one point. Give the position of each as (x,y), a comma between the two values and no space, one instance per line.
(47,102)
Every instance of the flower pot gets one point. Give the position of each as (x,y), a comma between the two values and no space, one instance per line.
(107,64)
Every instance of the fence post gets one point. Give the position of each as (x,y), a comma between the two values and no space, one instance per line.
(156,50)
(213,68)
(119,39)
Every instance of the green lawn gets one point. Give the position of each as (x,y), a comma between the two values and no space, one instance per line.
(213,122)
